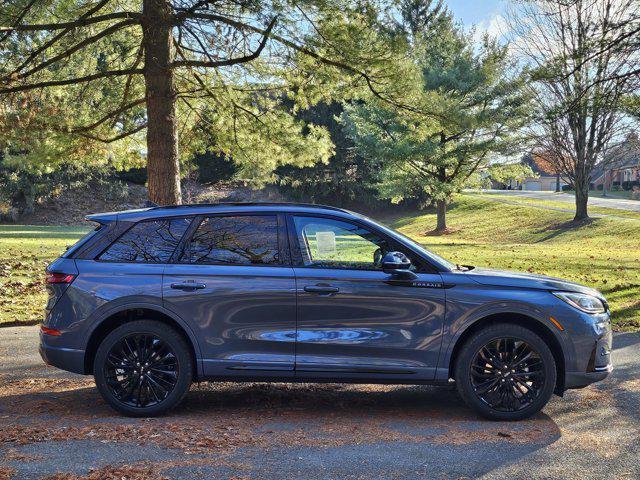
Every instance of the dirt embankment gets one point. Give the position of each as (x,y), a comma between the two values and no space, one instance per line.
(70,206)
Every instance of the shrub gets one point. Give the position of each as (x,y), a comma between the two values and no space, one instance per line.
(213,167)
(133,175)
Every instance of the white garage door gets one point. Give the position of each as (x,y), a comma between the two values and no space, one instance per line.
(532,185)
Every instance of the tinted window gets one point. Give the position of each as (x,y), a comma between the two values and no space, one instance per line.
(328,243)
(85,238)
(150,241)
(248,239)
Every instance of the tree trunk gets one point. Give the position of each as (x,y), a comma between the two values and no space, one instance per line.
(582,197)
(163,165)
(441,205)
(441,209)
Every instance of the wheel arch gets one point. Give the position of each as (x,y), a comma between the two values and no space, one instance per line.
(525,321)
(128,313)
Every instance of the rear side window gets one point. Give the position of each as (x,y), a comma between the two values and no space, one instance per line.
(242,239)
(148,242)
(85,238)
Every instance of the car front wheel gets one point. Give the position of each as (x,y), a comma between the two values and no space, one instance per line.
(505,372)
(143,368)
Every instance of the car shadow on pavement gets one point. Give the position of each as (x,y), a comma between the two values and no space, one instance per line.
(231,421)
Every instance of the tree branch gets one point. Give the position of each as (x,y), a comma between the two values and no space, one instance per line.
(21,16)
(109,115)
(80,22)
(306,51)
(71,81)
(230,61)
(117,137)
(76,47)
(57,37)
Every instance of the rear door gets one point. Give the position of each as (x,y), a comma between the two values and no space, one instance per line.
(232,281)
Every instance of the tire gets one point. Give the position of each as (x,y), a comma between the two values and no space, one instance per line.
(123,381)
(515,389)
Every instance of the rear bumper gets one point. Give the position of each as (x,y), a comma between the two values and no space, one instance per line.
(65,358)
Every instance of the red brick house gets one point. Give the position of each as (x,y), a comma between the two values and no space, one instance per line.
(621,170)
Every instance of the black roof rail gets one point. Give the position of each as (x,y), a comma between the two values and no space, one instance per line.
(251,204)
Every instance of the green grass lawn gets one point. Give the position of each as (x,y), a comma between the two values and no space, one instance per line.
(555,204)
(625,194)
(25,251)
(604,253)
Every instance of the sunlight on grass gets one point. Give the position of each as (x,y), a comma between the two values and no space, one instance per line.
(554,204)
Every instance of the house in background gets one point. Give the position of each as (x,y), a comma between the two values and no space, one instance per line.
(621,168)
(546,177)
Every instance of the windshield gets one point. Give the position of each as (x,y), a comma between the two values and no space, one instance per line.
(416,246)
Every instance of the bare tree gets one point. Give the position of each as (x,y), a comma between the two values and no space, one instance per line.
(176,43)
(583,65)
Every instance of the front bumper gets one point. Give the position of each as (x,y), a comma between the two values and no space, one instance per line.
(582,379)
(596,347)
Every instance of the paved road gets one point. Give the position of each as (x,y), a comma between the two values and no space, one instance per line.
(594,201)
(52,422)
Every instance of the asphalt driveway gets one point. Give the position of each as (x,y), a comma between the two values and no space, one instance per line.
(55,424)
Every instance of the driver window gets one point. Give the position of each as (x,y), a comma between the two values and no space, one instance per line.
(328,243)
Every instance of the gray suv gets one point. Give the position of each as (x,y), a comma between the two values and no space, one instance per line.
(154,299)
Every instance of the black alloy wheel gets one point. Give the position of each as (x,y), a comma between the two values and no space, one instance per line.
(143,368)
(505,372)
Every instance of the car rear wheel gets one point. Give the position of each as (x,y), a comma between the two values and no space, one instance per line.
(143,368)
(505,372)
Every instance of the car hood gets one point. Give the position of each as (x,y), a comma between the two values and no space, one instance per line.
(505,278)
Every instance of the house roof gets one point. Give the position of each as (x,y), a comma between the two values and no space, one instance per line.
(539,166)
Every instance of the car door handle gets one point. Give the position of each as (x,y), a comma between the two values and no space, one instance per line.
(321,289)
(188,286)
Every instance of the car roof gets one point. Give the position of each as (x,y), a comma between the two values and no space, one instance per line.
(209,208)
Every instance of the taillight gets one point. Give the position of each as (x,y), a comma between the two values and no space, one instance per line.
(50,331)
(60,277)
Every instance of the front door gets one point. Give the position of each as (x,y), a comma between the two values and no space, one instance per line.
(232,284)
(353,319)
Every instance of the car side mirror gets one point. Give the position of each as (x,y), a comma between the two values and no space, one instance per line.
(397,263)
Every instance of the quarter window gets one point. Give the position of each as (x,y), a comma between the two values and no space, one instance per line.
(243,239)
(328,243)
(148,242)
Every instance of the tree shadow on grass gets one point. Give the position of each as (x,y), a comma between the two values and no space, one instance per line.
(558,229)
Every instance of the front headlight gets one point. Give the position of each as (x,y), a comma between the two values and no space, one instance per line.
(582,301)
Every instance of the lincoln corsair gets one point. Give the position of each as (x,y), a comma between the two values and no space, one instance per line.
(154,299)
